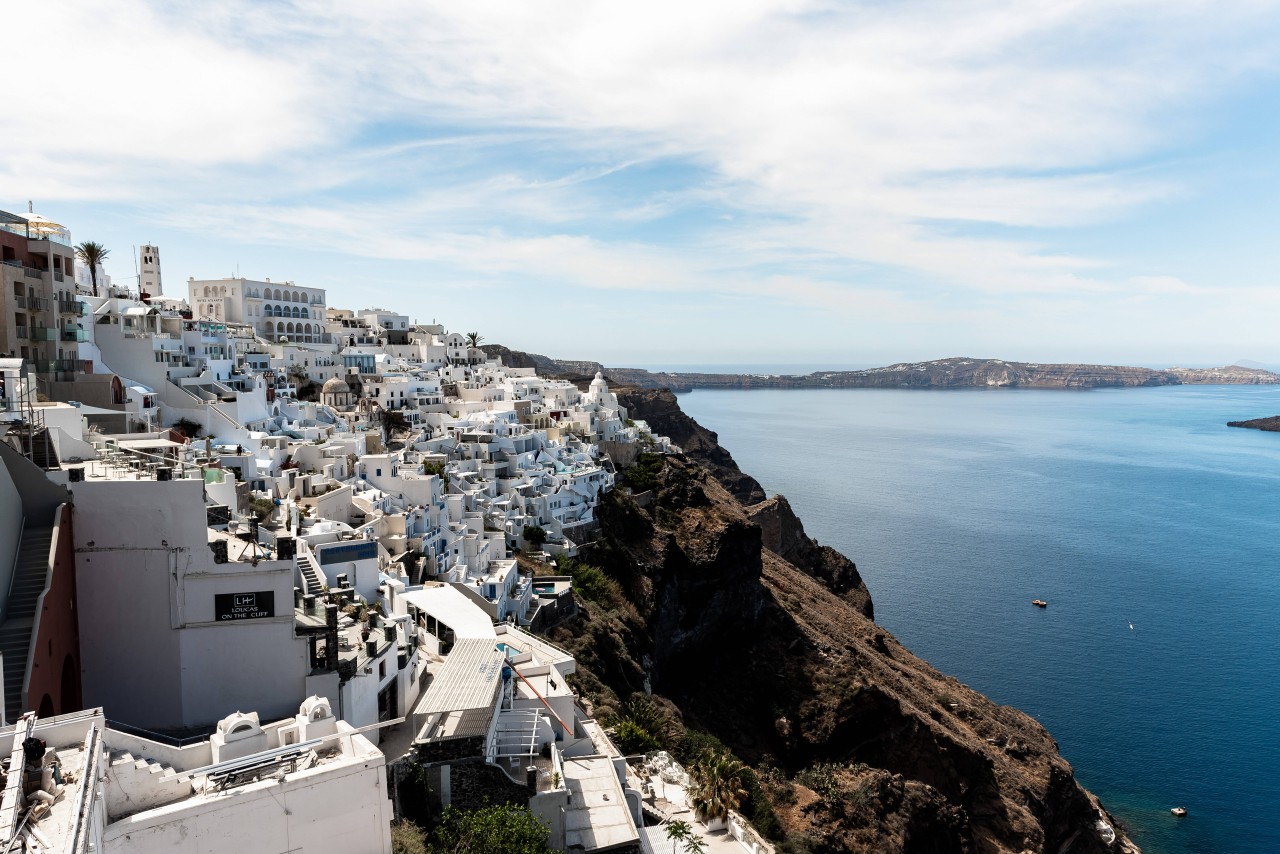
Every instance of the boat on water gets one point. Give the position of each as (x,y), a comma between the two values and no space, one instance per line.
(1040,603)
(1180,812)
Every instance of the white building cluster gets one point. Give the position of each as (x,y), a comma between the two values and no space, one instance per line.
(253,501)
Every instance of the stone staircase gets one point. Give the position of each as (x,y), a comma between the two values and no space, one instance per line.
(311,577)
(43,453)
(141,784)
(29,575)
(37,445)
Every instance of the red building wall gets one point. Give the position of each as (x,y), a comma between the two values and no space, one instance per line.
(54,687)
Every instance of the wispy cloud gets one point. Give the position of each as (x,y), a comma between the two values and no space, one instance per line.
(660,147)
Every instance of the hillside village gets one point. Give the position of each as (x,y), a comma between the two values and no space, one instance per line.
(263,551)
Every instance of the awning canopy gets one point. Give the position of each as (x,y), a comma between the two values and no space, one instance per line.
(452,607)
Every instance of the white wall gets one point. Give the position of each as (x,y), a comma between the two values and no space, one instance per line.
(152,654)
(321,810)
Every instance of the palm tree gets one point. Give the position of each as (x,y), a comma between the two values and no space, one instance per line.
(92,254)
(717,785)
(474,339)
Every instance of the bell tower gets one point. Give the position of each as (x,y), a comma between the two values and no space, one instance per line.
(149,271)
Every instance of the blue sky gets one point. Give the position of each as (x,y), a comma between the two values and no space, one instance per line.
(675,183)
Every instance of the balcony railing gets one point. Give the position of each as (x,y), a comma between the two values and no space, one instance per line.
(44,333)
(34,272)
(61,366)
(74,335)
(71,306)
(20,302)
(21,332)
(57,276)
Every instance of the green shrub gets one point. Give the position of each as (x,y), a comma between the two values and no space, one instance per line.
(500,829)
(591,583)
(643,475)
(633,739)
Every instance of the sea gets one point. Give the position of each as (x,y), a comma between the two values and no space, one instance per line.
(1150,528)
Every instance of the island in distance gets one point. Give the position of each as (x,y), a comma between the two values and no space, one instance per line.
(1270,424)
(958,372)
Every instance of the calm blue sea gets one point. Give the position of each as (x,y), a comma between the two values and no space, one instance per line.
(1120,507)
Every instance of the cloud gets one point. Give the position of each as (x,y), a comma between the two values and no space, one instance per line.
(863,155)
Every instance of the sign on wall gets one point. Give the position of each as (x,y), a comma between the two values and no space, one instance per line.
(244,606)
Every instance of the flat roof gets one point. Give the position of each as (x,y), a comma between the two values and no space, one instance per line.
(452,607)
(469,679)
(145,444)
(597,816)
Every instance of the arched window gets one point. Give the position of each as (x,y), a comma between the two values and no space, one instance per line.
(277,295)
(306,313)
(306,327)
(206,291)
(290,329)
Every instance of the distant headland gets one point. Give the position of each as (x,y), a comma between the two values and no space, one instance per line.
(953,373)
(1271,424)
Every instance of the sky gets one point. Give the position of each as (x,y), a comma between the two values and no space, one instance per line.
(675,183)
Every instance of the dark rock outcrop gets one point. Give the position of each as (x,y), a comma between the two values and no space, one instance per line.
(660,409)
(783,533)
(1270,425)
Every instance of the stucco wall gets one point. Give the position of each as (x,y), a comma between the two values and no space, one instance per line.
(153,653)
(324,810)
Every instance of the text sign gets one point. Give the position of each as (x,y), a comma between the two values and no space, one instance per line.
(244,606)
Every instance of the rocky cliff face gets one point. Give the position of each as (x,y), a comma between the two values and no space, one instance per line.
(661,410)
(955,373)
(764,638)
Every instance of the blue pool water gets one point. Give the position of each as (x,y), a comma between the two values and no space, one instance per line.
(1119,507)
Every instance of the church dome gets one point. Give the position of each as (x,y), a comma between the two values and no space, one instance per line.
(335,385)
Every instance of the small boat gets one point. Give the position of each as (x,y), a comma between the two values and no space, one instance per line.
(1180,812)
(1040,603)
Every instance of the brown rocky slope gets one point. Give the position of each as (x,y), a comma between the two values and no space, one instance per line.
(763,638)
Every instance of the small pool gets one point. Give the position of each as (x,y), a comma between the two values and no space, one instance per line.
(544,588)
(507,648)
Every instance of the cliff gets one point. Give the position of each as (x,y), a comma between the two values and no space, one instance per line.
(747,629)
(956,373)
(959,372)
(1271,424)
